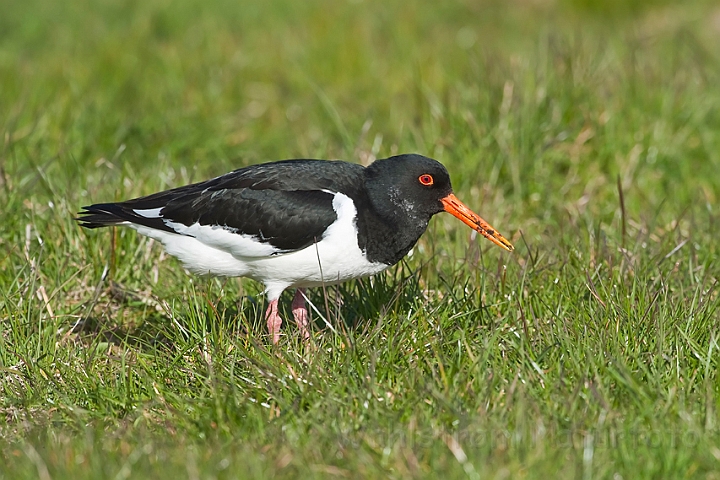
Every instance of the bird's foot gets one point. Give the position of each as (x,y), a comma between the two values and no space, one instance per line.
(300,314)
(274,321)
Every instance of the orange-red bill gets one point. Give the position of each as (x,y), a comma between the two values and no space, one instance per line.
(454,206)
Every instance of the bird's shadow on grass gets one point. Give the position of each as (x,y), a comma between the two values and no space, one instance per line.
(358,303)
(160,324)
(157,324)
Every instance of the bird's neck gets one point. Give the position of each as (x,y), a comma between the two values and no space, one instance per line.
(388,238)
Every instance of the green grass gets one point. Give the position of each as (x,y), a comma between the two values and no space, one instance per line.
(587,132)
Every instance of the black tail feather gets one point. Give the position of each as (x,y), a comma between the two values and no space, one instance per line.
(101,215)
(110,214)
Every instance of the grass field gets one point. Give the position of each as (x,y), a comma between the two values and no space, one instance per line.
(587,132)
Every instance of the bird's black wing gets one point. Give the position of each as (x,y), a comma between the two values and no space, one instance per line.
(285,204)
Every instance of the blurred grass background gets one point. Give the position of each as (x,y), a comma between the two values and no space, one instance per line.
(589,353)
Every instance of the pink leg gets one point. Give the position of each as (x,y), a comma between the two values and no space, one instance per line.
(273,320)
(300,313)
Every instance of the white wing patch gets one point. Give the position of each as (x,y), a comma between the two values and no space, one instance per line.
(149,212)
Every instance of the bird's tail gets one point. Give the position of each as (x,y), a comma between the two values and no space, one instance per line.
(101,215)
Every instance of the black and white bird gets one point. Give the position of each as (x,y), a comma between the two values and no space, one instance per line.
(296,223)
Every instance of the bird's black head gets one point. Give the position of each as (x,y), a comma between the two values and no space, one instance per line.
(409,186)
(407,190)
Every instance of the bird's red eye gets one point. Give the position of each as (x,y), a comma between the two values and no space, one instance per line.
(426,179)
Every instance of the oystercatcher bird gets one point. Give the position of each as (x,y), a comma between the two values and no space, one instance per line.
(296,223)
